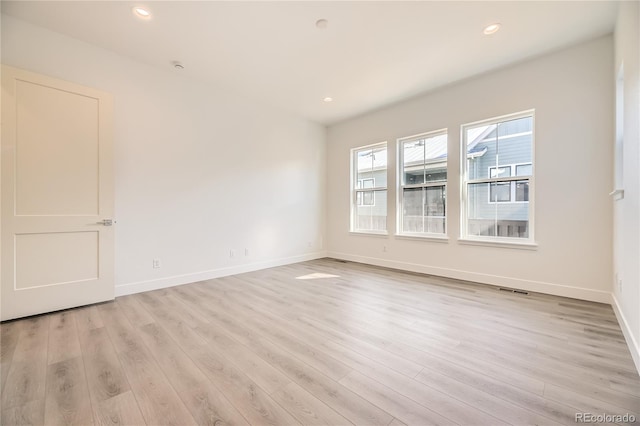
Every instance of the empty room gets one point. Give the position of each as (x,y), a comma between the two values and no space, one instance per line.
(320,213)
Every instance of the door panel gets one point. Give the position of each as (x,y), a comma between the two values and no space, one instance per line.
(57,187)
(55,258)
(56,163)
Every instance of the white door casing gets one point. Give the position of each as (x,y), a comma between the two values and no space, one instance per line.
(57,186)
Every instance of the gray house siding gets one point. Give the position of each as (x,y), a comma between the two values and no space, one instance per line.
(373,217)
(513,152)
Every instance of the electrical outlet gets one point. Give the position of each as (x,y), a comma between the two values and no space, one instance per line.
(309,244)
(156,263)
(246,252)
(232,253)
(384,248)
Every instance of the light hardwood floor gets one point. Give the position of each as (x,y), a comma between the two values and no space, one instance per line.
(368,346)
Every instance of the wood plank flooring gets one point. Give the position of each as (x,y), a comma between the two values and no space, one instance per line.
(359,345)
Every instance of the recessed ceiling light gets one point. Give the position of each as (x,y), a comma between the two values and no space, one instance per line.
(322,24)
(328,99)
(491,29)
(141,12)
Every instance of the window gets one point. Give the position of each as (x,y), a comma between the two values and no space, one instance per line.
(369,189)
(497,191)
(423,184)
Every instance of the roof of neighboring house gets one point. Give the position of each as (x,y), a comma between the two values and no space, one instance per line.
(436,149)
(429,148)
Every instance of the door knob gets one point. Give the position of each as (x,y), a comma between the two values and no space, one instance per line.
(106,222)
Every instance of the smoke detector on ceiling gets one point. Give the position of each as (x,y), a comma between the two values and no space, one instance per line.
(322,24)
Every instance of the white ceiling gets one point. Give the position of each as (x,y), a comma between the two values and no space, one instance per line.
(372,53)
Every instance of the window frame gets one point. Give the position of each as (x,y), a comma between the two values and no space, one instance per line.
(465,182)
(401,186)
(354,190)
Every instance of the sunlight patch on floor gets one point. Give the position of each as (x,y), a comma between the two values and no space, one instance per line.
(316,275)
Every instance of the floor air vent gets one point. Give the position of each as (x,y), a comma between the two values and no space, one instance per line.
(513,290)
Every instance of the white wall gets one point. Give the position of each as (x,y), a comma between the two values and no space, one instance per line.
(627,210)
(572,93)
(198,170)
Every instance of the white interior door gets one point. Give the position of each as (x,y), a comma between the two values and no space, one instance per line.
(57,187)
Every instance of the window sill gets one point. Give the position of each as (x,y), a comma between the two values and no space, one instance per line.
(436,238)
(370,233)
(519,245)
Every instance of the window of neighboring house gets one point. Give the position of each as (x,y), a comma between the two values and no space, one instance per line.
(514,191)
(497,179)
(422,184)
(369,189)
(366,198)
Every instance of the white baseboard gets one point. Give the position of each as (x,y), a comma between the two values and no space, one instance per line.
(155,284)
(496,280)
(634,347)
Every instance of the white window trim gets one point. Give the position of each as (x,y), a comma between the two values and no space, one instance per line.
(465,181)
(353,204)
(512,189)
(370,233)
(400,187)
(499,243)
(436,238)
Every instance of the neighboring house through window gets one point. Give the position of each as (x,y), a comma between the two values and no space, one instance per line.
(369,189)
(497,177)
(423,184)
